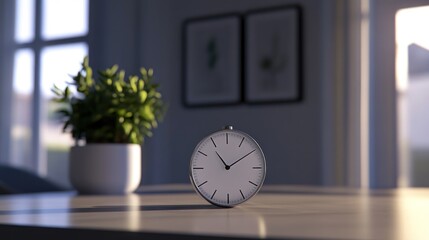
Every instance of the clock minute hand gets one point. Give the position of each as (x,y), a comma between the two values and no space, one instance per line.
(242,157)
(224,163)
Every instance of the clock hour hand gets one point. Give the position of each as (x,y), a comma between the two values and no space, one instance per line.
(242,158)
(224,163)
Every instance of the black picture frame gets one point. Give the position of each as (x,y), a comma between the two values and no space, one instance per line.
(212,60)
(273,68)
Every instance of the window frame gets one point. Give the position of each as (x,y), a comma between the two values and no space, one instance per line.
(39,162)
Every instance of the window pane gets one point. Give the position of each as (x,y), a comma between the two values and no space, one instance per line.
(22,108)
(64,18)
(24,19)
(23,72)
(57,64)
(412,83)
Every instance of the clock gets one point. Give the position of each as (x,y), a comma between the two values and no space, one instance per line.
(227,167)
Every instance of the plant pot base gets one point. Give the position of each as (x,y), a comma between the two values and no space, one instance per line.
(105,168)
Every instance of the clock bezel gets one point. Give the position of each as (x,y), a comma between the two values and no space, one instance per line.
(196,151)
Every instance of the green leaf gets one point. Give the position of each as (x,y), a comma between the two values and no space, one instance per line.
(112,70)
(122,112)
(66,125)
(88,77)
(85,62)
(57,91)
(118,86)
(67,92)
(121,76)
(146,113)
(143,96)
(147,125)
(143,71)
(127,127)
(133,83)
(141,84)
(64,112)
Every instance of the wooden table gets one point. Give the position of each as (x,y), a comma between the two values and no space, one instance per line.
(176,212)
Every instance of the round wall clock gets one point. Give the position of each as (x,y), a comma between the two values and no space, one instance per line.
(227,167)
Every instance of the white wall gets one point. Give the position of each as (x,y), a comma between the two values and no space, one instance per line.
(291,135)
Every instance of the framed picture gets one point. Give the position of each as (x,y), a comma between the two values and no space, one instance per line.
(273,56)
(212,60)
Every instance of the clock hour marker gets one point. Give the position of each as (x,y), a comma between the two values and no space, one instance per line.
(242,194)
(227,198)
(257,167)
(202,184)
(198,168)
(213,142)
(203,153)
(241,142)
(213,194)
(250,183)
(226,138)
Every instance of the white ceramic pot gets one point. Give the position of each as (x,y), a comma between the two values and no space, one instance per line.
(105,168)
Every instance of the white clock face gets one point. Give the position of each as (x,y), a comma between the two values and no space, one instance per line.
(227,168)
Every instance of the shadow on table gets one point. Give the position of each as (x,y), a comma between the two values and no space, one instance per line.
(97,209)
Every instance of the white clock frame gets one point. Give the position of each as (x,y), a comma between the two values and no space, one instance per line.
(227,167)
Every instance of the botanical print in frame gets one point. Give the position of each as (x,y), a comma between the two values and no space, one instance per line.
(212,61)
(273,56)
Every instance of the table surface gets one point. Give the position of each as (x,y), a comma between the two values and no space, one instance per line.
(175,211)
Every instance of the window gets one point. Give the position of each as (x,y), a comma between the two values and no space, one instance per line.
(412,82)
(50,41)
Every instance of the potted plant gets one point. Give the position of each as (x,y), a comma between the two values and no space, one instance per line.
(111,115)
